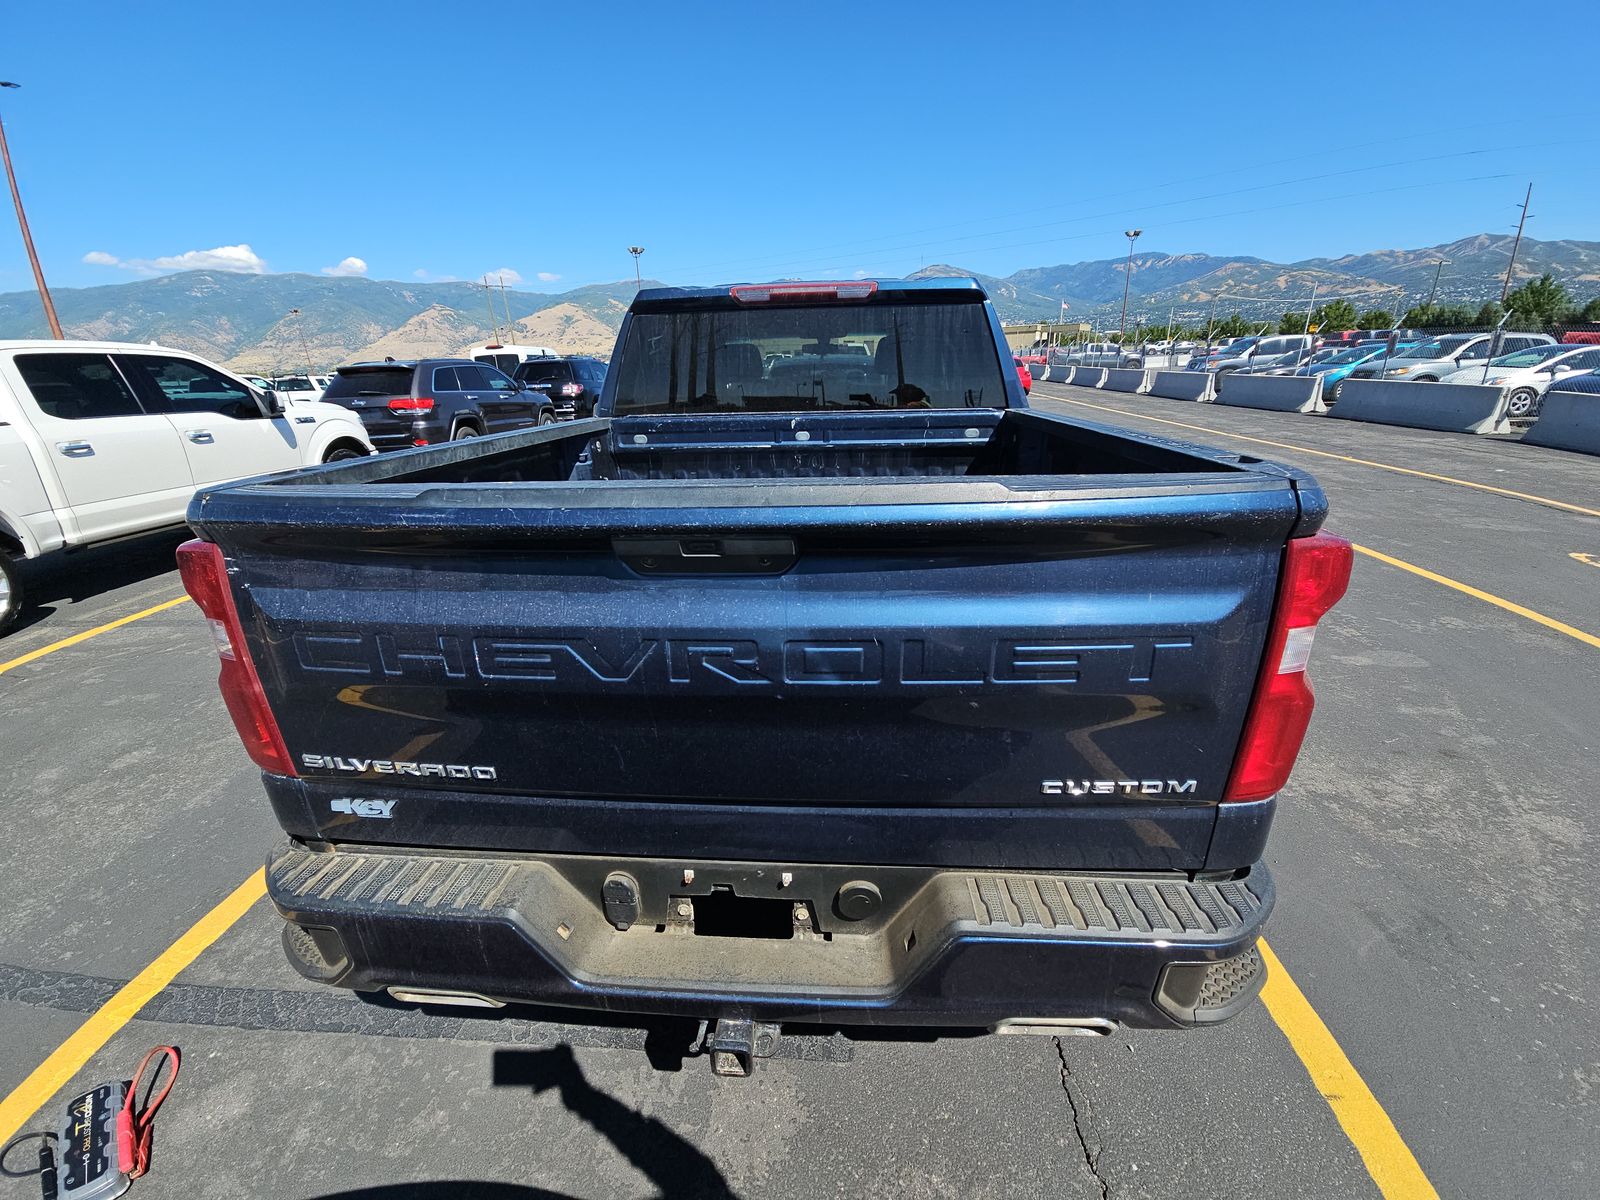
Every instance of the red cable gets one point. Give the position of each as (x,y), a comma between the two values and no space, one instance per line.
(137,1122)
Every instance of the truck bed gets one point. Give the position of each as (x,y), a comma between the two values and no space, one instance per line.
(1012,639)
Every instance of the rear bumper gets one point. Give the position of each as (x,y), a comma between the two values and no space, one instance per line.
(926,947)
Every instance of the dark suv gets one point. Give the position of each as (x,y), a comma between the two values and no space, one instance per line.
(418,403)
(573,383)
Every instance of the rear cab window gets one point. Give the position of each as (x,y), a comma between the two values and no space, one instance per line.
(810,357)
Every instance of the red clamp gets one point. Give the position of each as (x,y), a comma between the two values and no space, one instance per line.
(136,1121)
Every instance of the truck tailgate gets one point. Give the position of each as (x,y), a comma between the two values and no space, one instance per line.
(1063,654)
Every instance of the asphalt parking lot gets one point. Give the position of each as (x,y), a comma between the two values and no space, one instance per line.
(1433,858)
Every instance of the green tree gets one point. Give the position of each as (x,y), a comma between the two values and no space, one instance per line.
(1541,301)
(1441,316)
(1292,323)
(1232,325)
(1375,318)
(1591,311)
(1489,314)
(1335,316)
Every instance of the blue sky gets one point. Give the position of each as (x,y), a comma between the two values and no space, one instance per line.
(752,141)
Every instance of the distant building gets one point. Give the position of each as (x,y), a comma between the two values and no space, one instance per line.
(1046,333)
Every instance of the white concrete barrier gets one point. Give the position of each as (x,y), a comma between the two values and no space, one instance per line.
(1452,407)
(1127,379)
(1088,377)
(1182,385)
(1275,393)
(1567,421)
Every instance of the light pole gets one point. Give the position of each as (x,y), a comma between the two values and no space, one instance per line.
(636,251)
(27,237)
(1434,291)
(1127,278)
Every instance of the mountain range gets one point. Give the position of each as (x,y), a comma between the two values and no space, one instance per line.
(285,323)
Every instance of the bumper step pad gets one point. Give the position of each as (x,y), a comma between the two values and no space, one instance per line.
(941,947)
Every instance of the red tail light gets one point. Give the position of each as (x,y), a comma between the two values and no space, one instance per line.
(766,293)
(411,404)
(1316,571)
(205,578)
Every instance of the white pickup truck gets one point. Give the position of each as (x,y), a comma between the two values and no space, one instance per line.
(101,440)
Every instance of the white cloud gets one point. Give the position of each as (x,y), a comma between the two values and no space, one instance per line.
(420,273)
(429,277)
(506,275)
(238,258)
(347,266)
(548,277)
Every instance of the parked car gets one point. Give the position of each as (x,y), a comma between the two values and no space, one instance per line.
(1256,353)
(423,401)
(298,389)
(100,440)
(1290,363)
(1226,350)
(508,358)
(601,762)
(1023,376)
(1100,354)
(572,383)
(257,382)
(1336,368)
(1528,374)
(1588,383)
(1431,360)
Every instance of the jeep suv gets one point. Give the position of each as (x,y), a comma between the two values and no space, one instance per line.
(421,402)
(572,382)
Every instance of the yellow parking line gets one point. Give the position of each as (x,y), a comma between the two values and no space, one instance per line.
(85,1042)
(1592,560)
(1364,462)
(1389,1160)
(1588,639)
(34,655)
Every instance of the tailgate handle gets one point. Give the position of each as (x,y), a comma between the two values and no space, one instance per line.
(706,555)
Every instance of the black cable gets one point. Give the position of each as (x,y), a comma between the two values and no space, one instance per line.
(46,1158)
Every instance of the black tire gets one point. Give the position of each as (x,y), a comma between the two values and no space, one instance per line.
(342,454)
(11,597)
(547,417)
(1425,379)
(462,432)
(1337,388)
(1523,402)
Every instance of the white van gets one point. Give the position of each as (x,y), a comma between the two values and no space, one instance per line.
(508,358)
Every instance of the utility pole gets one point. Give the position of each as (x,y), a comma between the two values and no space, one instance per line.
(1505,287)
(1310,308)
(1127,278)
(1434,291)
(488,304)
(511,333)
(636,251)
(305,347)
(27,235)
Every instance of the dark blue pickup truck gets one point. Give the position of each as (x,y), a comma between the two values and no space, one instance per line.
(815,679)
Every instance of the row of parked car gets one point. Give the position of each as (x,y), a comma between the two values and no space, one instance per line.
(103,440)
(1527,364)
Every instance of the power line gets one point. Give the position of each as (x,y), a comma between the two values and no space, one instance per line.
(832,263)
(783,259)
